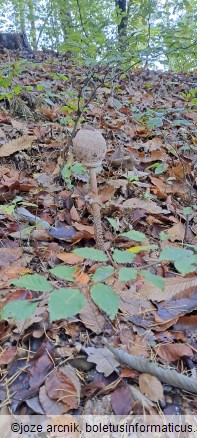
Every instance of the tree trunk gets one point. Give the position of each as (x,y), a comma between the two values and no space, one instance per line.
(122,13)
(14,41)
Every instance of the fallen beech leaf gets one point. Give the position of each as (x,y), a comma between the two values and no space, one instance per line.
(122,399)
(63,385)
(41,364)
(173,352)
(151,387)
(149,206)
(176,232)
(174,288)
(21,143)
(132,304)
(127,372)
(106,193)
(70,258)
(167,310)
(9,255)
(81,227)
(19,126)
(92,318)
(50,406)
(186,323)
(8,355)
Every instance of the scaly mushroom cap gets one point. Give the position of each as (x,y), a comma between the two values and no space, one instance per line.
(89,147)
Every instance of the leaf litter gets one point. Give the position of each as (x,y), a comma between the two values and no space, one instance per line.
(146,188)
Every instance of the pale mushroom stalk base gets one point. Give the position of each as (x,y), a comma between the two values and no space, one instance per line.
(96,210)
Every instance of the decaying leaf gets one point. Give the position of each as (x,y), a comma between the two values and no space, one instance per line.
(21,143)
(151,387)
(104,359)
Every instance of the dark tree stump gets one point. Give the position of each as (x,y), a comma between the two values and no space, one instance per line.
(14,41)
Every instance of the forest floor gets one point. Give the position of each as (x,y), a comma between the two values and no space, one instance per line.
(147,184)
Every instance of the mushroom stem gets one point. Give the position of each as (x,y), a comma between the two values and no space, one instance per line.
(96,209)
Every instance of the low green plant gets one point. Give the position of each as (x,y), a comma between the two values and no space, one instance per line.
(70,170)
(68,301)
(16,202)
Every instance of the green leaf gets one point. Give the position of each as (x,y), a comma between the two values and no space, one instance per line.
(64,272)
(113,223)
(186,265)
(123,256)
(92,254)
(134,235)
(105,298)
(163,235)
(78,169)
(187,210)
(39,87)
(173,253)
(155,122)
(34,282)
(64,303)
(127,274)
(152,278)
(160,169)
(66,174)
(19,309)
(16,89)
(181,122)
(102,273)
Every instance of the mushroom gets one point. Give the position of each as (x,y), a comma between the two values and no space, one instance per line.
(90,148)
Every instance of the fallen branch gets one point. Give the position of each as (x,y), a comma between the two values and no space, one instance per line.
(142,365)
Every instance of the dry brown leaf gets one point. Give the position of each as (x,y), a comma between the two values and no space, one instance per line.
(74,214)
(106,193)
(186,323)
(151,387)
(8,355)
(192,115)
(150,207)
(24,142)
(70,258)
(63,385)
(19,126)
(121,399)
(132,304)
(81,227)
(92,318)
(176,232)
(9,255)
(81,277)
(50,406)
(118,183)
(173,352)
(127,372)
(105,361)
(152,145)
(174,288)
(161,185)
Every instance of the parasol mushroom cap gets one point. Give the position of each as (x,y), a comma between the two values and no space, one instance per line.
(89,147)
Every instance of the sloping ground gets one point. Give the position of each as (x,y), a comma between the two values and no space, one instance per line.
(147,184)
